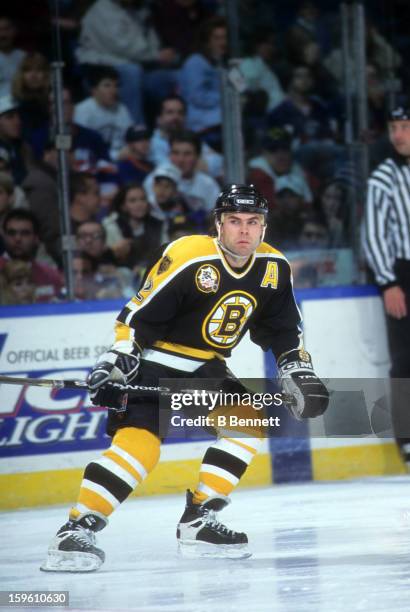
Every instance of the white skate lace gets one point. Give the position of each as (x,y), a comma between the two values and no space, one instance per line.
(83,536)
(212,521)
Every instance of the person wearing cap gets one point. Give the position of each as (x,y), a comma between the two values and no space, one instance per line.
(287,217)
(274,162)
(199,297)
(386,243)
(19,152)
(165,199)
(134,164)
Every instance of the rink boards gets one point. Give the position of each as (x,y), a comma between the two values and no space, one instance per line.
(48,436)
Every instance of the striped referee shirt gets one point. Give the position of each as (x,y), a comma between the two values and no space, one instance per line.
(386,235)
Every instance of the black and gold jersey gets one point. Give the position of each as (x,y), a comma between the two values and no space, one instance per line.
(194,304)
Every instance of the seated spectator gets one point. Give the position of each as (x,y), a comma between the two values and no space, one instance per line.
(326,86)
(20,155)
(334,206)
(85,199)
(10,56)
(165,199)
(314,129)
(30,89)
(85,286)
(91,240)
(171,119)
(178,21)
(41,189)
(286,219)
(16,283)
(134,165)
(197,188)
(276,160)
(313,234)
(200,82)
(102,111)
(132,232)
(21,238)
(256,68)
(308,27)
(119,33)
(111,281)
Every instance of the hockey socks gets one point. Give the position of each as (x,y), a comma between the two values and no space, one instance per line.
(223,465)
(108,481)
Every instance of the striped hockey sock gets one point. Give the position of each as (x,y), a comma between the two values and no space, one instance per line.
(223,465)
(108,481)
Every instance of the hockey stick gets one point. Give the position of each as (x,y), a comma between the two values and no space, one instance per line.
(52,383)
(66,384)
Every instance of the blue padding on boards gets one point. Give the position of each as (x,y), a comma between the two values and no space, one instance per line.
(290,448)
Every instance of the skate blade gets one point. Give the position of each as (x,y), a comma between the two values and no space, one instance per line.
(67,561)
(195,550)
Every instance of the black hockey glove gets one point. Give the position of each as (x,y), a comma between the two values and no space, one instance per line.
(113,370)
(308,396)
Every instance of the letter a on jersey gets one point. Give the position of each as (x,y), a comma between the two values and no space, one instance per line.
(270,278)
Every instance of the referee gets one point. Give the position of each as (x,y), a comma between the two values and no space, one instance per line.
(386,242)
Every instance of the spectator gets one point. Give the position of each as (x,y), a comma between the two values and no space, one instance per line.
(92,241)
(118,33)
(287,218)
(134,165)
(16,283)
(19,152)
(326,85)
(85,199)
(276,160)
(308,27)
(21,238)
(314,128)
(256,69)
(41,189)
(334,205)
(102,111)
(132,232)
(165,200)
(177,23)
(198,189)
(10,57)
(30,89)
(180,226)
(85,286)
(313,234)
(111,282)
(200,82)
(171,119)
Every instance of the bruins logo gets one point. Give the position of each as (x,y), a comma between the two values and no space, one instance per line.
(224,324)
(164,265)
(207,279)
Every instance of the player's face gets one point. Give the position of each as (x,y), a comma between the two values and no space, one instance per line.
(399,134)
(241,232)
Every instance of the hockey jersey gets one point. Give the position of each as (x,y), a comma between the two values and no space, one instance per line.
(194,304)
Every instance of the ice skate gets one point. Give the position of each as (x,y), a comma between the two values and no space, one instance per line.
(73,548)
(199,533)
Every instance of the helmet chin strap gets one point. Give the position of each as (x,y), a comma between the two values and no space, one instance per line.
(225,249)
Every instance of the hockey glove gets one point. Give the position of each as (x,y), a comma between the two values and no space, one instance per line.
(114,369)
(307,395)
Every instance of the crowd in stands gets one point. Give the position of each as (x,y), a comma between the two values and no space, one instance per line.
(142,111)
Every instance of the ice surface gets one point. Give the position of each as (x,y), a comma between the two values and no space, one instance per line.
(317,547)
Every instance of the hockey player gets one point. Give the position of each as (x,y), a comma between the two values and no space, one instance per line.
(196,303)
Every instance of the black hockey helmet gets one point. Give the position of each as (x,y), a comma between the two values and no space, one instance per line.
(236,197)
